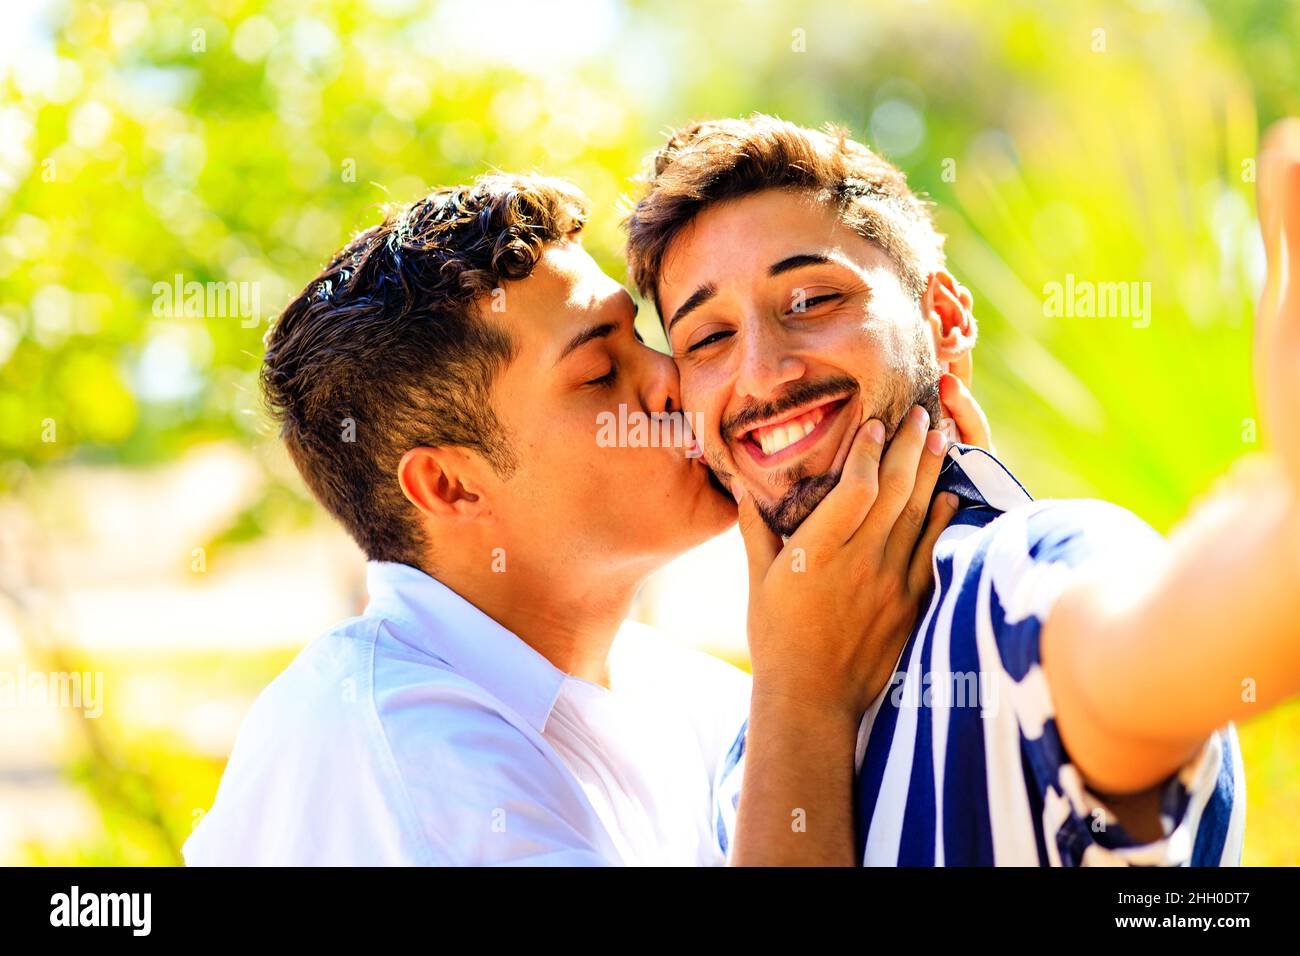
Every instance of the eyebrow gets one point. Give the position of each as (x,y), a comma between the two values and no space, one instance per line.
(602,331)
(701,295)
(706,292)
(791,263)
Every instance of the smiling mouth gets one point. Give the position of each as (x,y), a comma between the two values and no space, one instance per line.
(789,436)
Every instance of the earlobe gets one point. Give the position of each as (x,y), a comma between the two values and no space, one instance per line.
(439,481)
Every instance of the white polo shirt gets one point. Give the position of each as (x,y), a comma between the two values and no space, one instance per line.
(423,732)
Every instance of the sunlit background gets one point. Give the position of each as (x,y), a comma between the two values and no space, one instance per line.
(152,531)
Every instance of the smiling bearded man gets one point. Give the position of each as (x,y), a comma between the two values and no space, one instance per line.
(795,273)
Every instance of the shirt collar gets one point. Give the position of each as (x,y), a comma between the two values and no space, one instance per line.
(978,478)
(433,618)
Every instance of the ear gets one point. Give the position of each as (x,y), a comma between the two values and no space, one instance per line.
(443,483)
(947,308)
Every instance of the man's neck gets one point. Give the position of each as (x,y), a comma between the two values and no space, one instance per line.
(569,617)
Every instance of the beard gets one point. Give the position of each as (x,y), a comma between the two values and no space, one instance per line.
(918,386)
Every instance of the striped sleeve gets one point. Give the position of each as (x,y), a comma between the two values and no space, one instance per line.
(1029,561)
(982,778)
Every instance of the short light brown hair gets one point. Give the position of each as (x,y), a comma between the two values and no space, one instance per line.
(388,348)
(717,160)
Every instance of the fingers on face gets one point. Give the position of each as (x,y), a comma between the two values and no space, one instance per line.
(901,535)
(841,513)
(880,506)
(762,545)
(972,424)
(898,474)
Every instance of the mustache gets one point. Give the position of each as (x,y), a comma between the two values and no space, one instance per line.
(800,393)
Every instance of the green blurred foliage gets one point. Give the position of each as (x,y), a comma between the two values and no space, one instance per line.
(148,784)
(241,141)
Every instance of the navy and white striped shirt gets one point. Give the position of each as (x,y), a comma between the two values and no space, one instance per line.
(959,761)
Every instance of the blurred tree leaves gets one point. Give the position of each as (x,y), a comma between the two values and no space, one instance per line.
(240,141)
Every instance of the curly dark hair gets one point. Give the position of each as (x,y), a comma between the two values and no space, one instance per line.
(390,348)
(713,161)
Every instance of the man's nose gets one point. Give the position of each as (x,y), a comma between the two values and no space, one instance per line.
(765,361)
(662,389)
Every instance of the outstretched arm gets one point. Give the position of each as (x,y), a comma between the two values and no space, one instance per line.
(1149,654)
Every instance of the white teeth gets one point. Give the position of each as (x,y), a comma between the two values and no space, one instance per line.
(774,439)
(783,437)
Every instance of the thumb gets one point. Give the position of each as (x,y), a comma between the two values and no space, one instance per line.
(762,545)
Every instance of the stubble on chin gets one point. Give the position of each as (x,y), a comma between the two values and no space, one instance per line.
(787,513)
(805,492)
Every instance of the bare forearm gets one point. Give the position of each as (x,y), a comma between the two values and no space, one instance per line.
(796,799)
(1144,662)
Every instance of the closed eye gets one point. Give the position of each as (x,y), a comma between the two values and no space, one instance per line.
(708,340)
(814,302)
(605,380)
